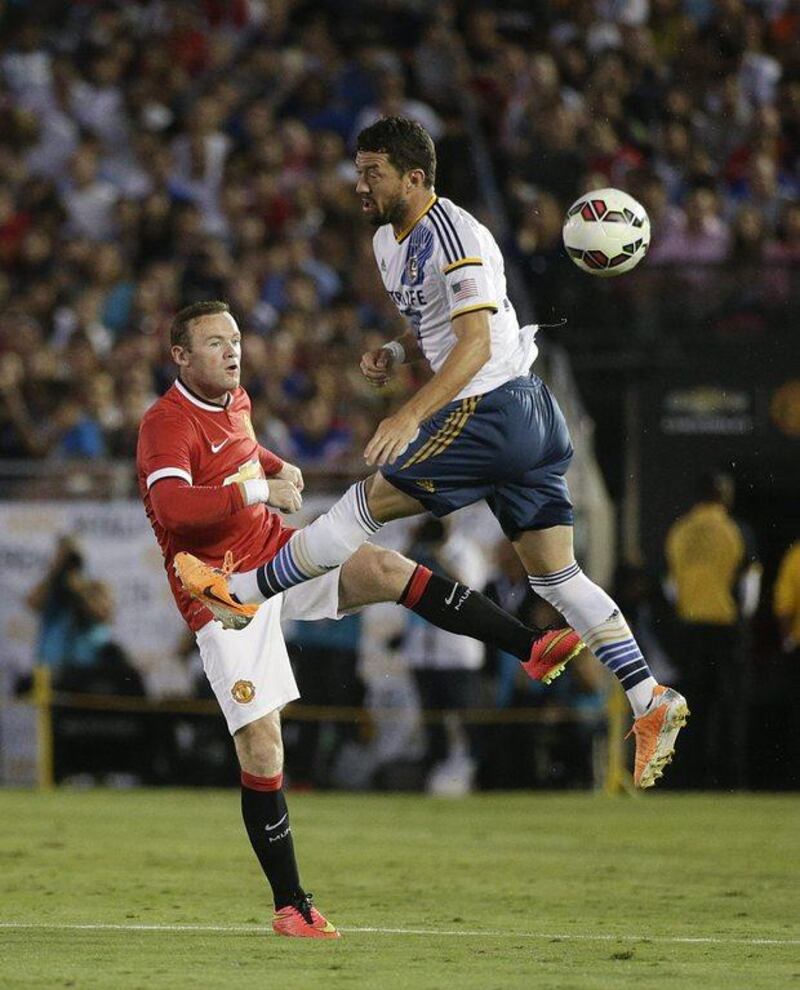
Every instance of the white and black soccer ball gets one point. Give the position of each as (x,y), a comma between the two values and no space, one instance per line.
(606,232)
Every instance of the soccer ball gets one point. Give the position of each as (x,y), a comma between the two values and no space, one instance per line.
(606,232)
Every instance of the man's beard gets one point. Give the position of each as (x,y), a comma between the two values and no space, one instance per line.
(394,213)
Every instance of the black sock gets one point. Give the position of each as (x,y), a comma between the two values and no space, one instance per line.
(266,819)
(459,609)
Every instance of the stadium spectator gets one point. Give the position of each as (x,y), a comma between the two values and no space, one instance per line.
(149,160)
(446,667)
(786,600)
(557,750)
(715,580)
(74,612)
(698,237)
(786,609)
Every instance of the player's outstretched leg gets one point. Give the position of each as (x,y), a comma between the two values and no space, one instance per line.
(375,574)
(455,607)
(320,547)
(313,550)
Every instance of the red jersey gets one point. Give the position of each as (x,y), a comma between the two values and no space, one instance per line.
(196,452)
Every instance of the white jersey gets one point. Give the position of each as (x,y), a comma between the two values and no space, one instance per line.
(445,264)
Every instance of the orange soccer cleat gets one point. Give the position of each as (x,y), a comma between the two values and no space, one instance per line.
(551,653)
(656,732)
(209,585)
(302,920)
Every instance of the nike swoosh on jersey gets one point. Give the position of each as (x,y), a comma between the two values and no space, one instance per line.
(217,447)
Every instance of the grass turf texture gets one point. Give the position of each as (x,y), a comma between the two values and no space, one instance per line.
(572,891)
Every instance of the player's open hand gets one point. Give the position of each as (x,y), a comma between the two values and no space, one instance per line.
(391,439)
(284,495)
(290,472)
(378,366)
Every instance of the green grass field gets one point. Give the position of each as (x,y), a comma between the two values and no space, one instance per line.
(158,889)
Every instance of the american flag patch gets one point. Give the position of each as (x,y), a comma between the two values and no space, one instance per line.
(464,288)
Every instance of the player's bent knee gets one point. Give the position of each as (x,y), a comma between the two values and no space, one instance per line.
(373,574)
(259,746)
(388,570)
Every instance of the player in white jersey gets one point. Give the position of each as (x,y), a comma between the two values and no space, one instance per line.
(488,429)
(449,265)
(482,427)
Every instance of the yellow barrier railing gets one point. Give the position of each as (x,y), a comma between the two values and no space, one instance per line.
(45,699)
(618,778)
(42,695)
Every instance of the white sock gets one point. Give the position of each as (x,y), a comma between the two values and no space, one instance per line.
(313,550)
(244,586)
(596,618)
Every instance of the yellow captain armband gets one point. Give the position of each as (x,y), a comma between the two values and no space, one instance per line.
(461,263)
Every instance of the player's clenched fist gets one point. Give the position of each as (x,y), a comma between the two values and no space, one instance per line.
(290,472)
(378,366)
(279,494)
(284,495)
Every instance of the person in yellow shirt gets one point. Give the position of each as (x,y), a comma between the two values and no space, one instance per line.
(786,599)
(715,583)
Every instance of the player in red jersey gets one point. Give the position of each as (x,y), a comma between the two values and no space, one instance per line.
(207,484)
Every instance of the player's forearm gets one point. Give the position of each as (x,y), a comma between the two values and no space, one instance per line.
(465,360)
(181,508)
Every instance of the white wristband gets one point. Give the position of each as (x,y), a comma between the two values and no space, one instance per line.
(255,490)
(396,349)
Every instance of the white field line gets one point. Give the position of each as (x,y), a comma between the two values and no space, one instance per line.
(448,933)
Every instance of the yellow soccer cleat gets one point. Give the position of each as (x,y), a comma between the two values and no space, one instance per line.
(656,732)
(209,586)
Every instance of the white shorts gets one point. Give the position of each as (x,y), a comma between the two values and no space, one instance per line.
(249,669)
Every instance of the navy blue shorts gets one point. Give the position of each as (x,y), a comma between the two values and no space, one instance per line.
(510,446)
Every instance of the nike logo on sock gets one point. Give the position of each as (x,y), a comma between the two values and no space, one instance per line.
(271,828)
(451,596)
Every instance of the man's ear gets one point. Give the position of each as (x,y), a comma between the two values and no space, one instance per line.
(180,355)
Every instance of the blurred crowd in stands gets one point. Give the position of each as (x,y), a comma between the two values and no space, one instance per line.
(155,152)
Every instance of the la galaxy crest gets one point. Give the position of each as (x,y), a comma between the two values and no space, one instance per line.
(420,248)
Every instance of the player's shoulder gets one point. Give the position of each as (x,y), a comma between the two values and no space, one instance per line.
(163,408)
(166,413)
(383,237)
(459,233)
(455,214)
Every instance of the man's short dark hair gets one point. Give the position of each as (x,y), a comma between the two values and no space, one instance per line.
(179,328)
(407,144)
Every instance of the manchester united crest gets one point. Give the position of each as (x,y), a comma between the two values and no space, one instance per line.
(247,426)
(243,692)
